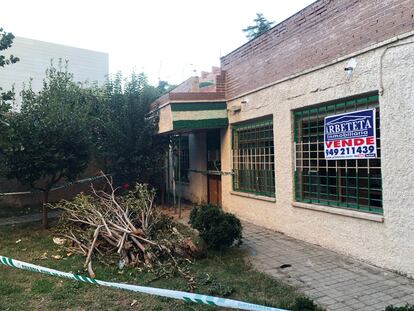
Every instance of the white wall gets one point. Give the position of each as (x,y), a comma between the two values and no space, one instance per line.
(35,57)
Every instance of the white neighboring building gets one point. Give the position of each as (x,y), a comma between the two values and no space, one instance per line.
(35,57)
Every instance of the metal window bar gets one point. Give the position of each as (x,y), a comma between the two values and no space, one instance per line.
(253,158)
(183,167)
(352,184)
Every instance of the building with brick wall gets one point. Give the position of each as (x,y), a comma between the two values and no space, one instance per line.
(308,131)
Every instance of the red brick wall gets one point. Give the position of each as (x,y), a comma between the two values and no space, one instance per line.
(221,82)
(322,32)
(189,85)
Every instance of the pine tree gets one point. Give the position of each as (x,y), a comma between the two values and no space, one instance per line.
(262,25)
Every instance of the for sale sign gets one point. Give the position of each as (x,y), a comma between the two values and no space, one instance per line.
(350,135)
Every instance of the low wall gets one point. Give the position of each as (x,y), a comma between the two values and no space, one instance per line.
(35,198)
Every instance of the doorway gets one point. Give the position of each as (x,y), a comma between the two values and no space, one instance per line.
(214,167)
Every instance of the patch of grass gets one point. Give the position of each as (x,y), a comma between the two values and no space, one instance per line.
(220,274)
(42,286)
(214,287)
(9,289)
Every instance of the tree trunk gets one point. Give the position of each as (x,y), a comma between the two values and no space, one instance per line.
(45,221)
(162,195)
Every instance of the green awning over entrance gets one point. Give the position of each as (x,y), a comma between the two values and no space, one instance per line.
(183,116)
(199,115)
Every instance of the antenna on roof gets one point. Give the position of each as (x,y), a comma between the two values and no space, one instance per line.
(159,72)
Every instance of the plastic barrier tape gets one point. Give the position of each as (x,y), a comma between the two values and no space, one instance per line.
(189,297)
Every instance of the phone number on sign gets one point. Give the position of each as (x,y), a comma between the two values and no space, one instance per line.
(367,150)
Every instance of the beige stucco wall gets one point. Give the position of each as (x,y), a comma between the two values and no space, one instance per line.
(165,124)
(389,244)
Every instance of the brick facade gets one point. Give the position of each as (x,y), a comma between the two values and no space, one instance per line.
(322,32)
(190,89)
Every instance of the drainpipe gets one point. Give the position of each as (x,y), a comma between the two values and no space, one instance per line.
(179,176)
(381,84)
(168,181)
(173,175)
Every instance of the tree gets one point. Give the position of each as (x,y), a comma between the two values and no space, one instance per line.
(124,136)
(49,139)
(164,87)
(6,41)
(262,25)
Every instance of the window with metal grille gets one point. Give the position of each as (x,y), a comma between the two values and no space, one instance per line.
(253,158)
(181,158)
(352,184)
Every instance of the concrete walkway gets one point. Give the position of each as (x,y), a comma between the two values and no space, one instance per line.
(27,218)
(334,281)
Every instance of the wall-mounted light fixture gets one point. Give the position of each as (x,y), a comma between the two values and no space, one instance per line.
(350,66)
(244,101)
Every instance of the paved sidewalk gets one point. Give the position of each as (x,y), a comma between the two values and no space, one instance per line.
(27,218)
(335,282)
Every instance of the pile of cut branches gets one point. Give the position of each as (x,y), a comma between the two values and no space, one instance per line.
(104,224)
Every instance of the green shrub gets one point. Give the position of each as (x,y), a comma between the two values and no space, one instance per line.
(407,307)
(304,304)
(217,228)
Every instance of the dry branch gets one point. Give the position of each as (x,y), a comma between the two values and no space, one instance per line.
(127,226)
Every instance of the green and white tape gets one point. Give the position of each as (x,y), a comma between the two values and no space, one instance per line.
(189,297)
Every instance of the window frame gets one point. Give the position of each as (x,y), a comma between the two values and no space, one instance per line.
(184,159)
(373,168)
(251,187)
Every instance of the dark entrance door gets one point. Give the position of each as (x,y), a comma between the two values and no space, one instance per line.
(214,189)
(214,167)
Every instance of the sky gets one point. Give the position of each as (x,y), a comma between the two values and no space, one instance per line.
(168,40)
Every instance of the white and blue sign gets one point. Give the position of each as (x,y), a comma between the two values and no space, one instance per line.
(350,135)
